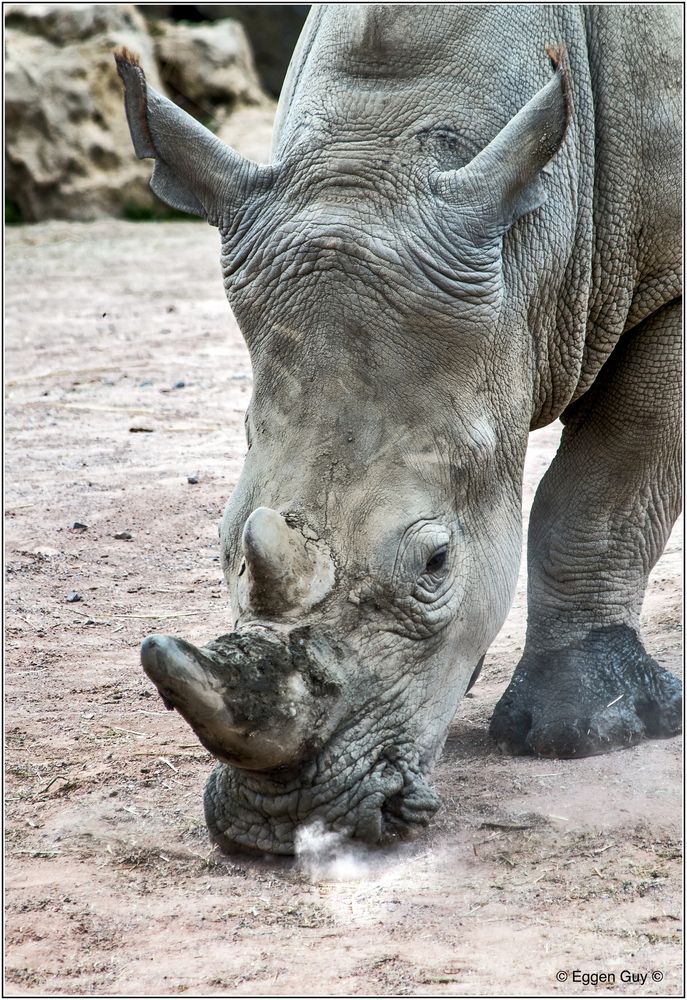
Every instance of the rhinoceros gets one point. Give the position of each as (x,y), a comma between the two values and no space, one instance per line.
(470,227)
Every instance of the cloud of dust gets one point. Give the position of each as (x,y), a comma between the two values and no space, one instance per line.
(328,856)
(360,884)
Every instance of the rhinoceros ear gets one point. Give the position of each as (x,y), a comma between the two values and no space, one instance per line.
(194,171)
(503,182)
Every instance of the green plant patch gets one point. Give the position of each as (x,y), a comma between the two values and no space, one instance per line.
(13,214)
(138,212)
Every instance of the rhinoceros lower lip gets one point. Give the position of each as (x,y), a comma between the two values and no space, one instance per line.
(376,798)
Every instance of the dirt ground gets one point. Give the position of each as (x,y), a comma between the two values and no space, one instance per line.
(532,867)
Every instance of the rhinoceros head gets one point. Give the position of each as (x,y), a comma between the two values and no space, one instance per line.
(372,543)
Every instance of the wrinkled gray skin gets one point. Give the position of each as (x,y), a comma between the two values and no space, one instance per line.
(455,243)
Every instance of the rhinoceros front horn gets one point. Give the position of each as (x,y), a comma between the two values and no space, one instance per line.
(257,698)
(253,700)
(283,569)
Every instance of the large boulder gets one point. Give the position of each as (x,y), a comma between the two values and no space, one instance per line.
(207,68)
(68,152)
(248,130)
(67,146)
(272,30)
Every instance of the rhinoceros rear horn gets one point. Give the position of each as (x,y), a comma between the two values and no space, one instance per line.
(194,171)
(503,182)
(282,569)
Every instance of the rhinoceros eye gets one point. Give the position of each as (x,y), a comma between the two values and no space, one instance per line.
(434,577)
(437,561)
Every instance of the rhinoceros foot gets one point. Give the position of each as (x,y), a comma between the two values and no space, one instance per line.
(600,694)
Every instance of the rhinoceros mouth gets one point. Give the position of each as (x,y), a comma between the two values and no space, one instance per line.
(374,799)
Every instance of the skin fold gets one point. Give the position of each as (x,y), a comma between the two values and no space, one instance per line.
(470,227)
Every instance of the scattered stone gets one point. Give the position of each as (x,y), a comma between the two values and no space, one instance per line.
(141,429)
(179,384)
(192,480)
(123,536)
(72,597)
(78,526)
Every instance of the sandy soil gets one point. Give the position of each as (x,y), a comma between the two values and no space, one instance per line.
(532,866)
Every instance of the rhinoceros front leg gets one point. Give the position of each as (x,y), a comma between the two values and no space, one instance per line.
(602,515)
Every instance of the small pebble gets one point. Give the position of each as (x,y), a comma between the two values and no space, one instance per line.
(123,536)
(192,480)
(179,384)
(78,526)
(72,597)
